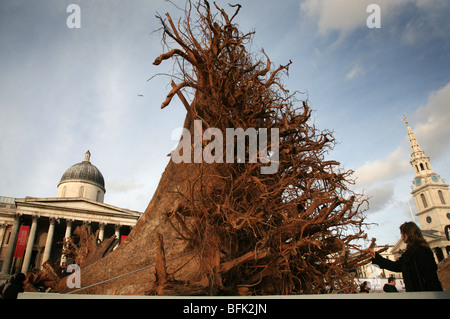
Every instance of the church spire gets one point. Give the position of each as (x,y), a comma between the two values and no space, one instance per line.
(415,148)
(419,161)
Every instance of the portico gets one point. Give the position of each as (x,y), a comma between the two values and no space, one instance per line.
(32,229)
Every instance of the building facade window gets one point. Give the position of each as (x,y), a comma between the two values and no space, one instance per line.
(424,201)
(8,237)
(81,193)
(441,197)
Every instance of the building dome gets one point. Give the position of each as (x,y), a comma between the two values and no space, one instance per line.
(82,180)
(84,171)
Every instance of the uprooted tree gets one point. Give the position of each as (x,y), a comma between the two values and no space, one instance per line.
(224,227)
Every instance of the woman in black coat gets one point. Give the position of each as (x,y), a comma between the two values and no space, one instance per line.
(16,286)
(416,264)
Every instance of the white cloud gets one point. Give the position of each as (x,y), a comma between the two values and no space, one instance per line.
(430,123)
(345,16)
(123,186)
(380,196)
(356,71)
(394,165)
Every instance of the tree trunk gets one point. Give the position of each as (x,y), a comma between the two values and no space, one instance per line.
(162,217)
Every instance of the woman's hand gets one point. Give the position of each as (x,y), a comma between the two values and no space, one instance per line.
(372,252)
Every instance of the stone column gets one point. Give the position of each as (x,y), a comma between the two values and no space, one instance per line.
(68,229)
(66,238)
(101,233)
(30,243)
(2,233)
(11,246)
(49,241)
(117,227)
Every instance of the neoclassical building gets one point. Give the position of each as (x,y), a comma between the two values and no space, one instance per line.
(32,229)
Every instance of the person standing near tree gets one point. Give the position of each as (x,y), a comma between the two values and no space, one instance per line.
(416,264)
(16,287)
(364,287)
(390,286)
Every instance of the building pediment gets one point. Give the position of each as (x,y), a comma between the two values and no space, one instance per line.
(75,208)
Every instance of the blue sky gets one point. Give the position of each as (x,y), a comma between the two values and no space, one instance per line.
(65,91)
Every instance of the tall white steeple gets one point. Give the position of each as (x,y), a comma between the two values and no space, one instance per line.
(419,161)
(431,196)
